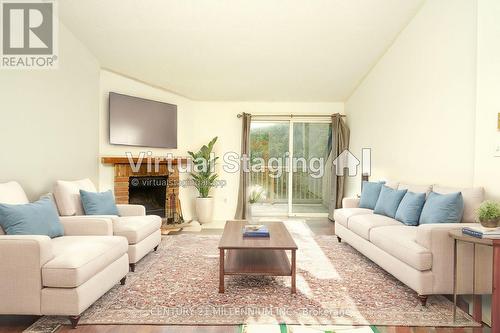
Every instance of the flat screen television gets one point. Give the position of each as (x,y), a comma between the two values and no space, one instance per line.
(135,121)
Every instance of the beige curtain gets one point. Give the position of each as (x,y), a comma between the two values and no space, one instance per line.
(242,208)
(340,142)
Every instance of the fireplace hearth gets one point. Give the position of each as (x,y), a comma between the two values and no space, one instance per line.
(149,191)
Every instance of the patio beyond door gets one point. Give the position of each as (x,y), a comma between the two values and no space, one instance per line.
(290,163)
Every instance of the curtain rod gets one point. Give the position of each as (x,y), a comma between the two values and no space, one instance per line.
(290,115)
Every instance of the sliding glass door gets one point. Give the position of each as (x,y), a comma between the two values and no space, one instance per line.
(290,167)
(269,141)
(311,148)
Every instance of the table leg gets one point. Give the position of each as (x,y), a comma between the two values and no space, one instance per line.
(477,308)
(476,299)
(221,270)
(455,279)
(495,299)
(294,289)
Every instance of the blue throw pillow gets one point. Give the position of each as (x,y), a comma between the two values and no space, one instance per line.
(388,201)
(98,203)
(410,208)
(369,194)
(442,208)
(37,218)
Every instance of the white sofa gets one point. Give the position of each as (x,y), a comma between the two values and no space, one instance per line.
(143,232)
(419,256)
(60,276)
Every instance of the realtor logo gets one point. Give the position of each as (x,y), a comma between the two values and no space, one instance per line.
(29,34)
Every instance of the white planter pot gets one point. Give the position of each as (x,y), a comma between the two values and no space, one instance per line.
(204,209)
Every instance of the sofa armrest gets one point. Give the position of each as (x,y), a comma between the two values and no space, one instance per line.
(131,210)
(436,238)
(86,226)
(352,202)
(39,248)
(434,235)
(21,259)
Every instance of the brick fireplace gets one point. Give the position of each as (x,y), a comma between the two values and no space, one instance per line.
(157,190)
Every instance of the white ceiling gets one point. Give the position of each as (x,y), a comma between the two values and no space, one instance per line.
(241,50)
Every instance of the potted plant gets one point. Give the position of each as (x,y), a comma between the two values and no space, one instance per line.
(488,214)
(204,179)
(256,195)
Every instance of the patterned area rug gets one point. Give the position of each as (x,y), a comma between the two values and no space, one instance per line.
(336,285)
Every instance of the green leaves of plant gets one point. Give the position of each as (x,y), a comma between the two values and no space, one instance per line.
(488,210)
(203,164)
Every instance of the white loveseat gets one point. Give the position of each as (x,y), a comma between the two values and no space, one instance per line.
(143,232)
(60,276)
(419,256)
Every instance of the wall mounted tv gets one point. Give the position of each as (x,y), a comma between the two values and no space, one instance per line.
(135,121)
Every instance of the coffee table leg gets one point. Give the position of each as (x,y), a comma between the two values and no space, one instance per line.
(221,271)
(293,273)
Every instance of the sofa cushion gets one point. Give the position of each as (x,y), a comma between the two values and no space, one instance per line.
(67,195)
(442,208)
(410,208)
(399,241)
(363,224)
(12,193)
(416,188)
(472,197)
(136,228)
(37,218)
(369,194)
(342,215)
(388,201)
(79,258)
(98,203)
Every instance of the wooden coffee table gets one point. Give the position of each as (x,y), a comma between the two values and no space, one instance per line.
(256,255)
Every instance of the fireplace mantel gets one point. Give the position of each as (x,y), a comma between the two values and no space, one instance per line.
(124,160)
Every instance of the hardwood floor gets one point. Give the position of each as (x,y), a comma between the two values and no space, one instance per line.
(149,329)
(319,226)
(15,323)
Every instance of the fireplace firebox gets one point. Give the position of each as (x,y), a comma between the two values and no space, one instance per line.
(149,191)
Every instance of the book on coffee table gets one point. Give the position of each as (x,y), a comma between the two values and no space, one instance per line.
(255,230)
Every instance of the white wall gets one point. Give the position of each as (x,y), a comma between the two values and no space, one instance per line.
(416,108)
(487,166)
(198,122)
(488,104)
(49,120)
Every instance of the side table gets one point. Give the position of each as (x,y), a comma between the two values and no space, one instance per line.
(458,236)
